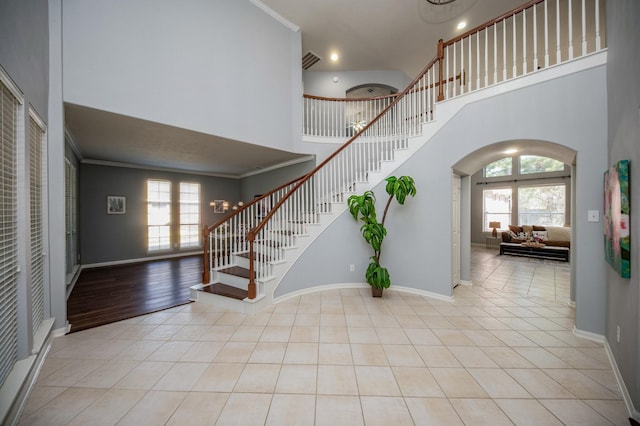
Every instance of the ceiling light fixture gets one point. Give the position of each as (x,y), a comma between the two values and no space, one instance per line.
(440,2)
(461,25)
(334,56)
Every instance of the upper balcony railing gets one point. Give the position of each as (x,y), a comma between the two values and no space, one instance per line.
(535,36)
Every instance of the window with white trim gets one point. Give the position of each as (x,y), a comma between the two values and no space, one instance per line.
(71,217)
(189,214)
(542,205)
(9,106)
(496,207)
(501,167)
(536,164)
(158,215)
(36,174)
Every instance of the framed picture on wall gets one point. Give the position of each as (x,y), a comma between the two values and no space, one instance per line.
(617,243)
(116,204)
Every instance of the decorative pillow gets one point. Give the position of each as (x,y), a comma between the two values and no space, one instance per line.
(541,234)
(512,234)
(539,228)
(522,235)
(515,229)
(527,228)
(559,233)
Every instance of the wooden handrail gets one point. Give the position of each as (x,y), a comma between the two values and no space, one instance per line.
(375,98)
(206,230)
(494,21)
(251,235)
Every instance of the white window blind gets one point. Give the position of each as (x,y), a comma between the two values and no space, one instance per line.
(36,173)
(8,230)
(189,214)
(159,215)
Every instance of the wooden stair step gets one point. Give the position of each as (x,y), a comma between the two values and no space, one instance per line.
(256,256)
(236,271)
(225,290)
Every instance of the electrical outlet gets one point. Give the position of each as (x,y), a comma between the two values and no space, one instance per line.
(617,333)
(352,268)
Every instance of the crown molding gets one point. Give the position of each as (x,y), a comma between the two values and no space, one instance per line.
(275,15)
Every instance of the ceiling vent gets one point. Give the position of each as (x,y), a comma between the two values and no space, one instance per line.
(309,59)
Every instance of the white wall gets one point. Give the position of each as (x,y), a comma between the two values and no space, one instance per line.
(208,66)
(569,110)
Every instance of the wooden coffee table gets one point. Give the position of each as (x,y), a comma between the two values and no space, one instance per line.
(546,252)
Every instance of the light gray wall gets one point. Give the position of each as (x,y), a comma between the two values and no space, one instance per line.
(322,84)
(24,27)
(208,66)
(418,246)
(111,238)
(623,295)
(267,181)
(478,185)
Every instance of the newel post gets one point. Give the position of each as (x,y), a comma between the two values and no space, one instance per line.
(206,269)
(440,78)
(251,289)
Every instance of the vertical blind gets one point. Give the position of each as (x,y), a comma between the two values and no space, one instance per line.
(36,166)
(8,230)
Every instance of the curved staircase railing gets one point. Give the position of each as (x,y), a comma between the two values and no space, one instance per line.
(514,44)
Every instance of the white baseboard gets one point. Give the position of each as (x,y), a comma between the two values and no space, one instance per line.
(17,387)
(598,338)
(465,283)
(628,402)
(141,259)
(310,290)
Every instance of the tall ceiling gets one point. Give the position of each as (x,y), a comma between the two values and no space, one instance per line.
(366,34)
(382,34)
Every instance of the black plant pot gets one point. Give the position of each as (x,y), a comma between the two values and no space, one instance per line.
(376,292)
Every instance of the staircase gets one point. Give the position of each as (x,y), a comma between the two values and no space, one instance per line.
(248,253)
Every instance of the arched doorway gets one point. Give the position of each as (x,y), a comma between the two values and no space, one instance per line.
(473,230)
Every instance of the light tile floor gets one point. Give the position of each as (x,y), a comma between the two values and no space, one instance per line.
(502,353)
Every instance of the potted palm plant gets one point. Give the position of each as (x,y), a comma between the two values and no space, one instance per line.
(363,207)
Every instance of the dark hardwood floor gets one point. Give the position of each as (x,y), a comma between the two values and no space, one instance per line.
(105,295)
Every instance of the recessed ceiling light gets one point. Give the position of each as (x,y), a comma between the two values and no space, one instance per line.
(510,151)
(461,25)
(334,56)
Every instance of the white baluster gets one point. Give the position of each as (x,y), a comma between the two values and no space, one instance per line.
(524,42)
(584,28)
(461,65)
(515,67)
(486,57)
(535,37)
(504,49)
(598,41)
(477,61)
(558,51)
(570,31)
(454,70)
(546,35)
(495,53)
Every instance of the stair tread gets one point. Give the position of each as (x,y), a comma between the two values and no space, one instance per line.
(236,270)
(225,290)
